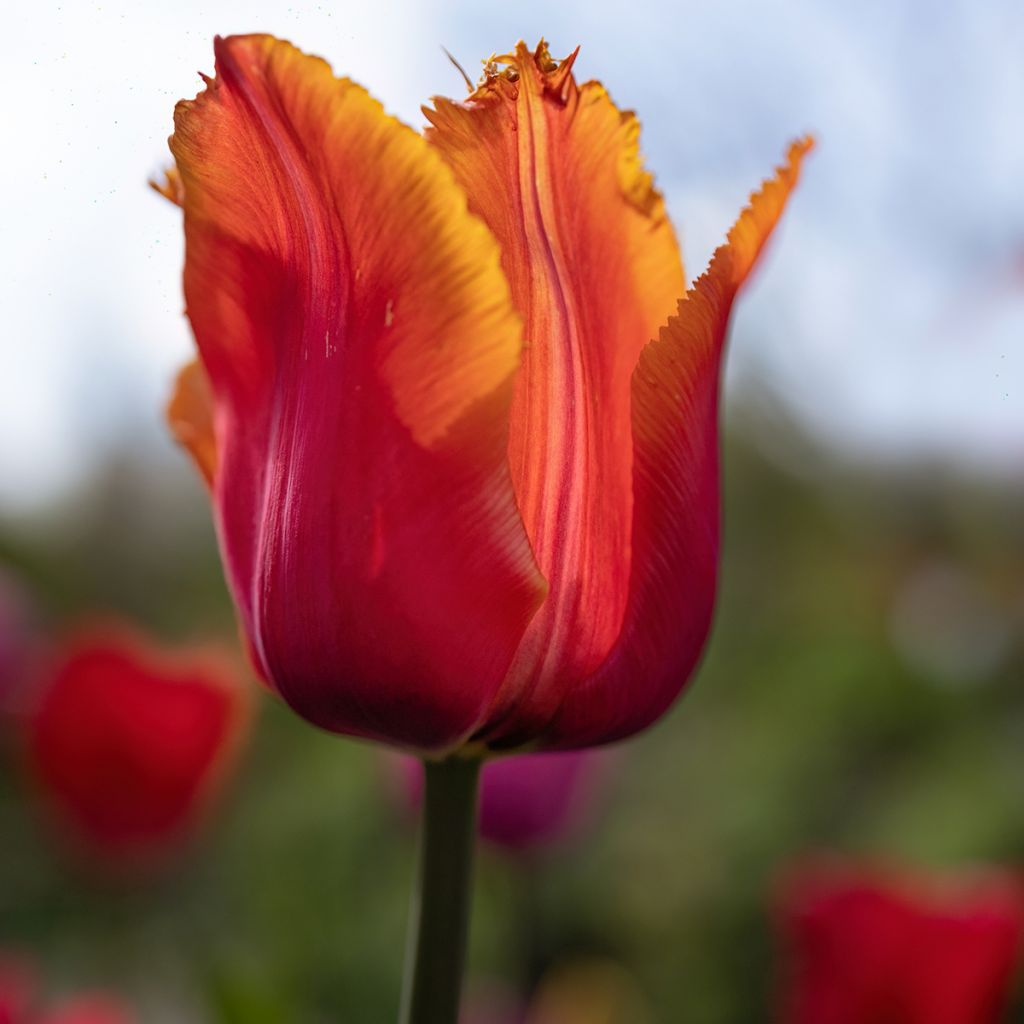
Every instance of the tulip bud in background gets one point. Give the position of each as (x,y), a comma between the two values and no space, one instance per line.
(863,945)
(128,744)
(528,801)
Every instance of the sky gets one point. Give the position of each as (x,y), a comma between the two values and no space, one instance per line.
(887,318)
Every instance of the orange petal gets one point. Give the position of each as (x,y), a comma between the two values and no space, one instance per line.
(554,170)
(190,417)
(676,493)
(170,187)
(360,343)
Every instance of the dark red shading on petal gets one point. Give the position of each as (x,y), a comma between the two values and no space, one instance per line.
(129,744)
(361,345)
(675,533)
(554,170)
(865,944)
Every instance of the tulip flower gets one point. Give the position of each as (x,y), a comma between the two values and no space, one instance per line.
(129,744)
(456,408)
(455,405)
(870,946)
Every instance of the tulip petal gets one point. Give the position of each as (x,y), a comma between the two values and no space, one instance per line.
(361,345)
(554,170)
(676,494)
(190,417)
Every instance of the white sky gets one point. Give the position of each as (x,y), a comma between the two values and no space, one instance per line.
(889,314)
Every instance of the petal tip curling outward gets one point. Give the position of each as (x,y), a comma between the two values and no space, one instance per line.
(169,186)
(675,528)
(360,344)
(754,227)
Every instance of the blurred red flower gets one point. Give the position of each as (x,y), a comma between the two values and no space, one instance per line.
(528,801)
(88,1008)
(883,947)
(17,987)
(127,743)
(457,409)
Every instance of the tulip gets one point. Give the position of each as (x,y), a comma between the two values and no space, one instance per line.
(462,496)
(128,745)
(456,409)
(871,946)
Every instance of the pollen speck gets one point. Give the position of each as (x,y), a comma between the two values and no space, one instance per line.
(389,313)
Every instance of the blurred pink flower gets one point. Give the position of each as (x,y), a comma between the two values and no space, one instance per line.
(21,1001)
(90,1008)
(865,945)
(17,987)
(528,801)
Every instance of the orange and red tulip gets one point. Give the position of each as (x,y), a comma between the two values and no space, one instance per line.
(128,744)
(455,405)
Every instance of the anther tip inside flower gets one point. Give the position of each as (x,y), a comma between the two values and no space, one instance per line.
(510,67)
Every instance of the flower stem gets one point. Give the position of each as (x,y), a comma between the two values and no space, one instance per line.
(439,917)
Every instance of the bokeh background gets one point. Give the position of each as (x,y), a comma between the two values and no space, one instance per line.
(862,689)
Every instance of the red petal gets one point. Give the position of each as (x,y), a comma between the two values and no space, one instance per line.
(554,169)
(675,495)
(361,346)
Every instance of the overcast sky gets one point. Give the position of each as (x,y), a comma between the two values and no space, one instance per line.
(889,313)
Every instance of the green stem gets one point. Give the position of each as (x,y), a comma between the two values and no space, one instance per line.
(439,918)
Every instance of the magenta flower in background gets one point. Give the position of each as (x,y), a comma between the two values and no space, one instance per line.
(21,1001)
(528,801)
(871,946)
